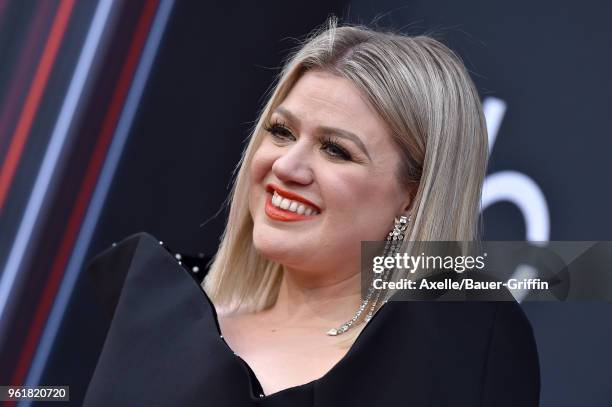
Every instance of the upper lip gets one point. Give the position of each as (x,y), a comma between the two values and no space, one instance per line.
(291,195)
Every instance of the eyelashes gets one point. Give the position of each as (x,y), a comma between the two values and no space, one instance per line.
(330,145)
(334,149)
(279,130)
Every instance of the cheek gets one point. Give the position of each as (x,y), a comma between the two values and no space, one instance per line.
(355,190)
(363,205)
(261,164)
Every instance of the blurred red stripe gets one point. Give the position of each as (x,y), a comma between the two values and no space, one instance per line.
(23,70)
(26,119)
(85,191)
(3,4)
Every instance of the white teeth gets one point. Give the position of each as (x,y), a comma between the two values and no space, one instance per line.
(276,199)
(293,206)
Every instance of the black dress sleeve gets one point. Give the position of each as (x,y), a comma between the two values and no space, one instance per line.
(163,346)
(512,371)
(108,269)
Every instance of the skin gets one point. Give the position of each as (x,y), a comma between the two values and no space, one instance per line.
(359,198)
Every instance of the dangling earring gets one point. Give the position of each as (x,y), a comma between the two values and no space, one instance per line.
(395,238)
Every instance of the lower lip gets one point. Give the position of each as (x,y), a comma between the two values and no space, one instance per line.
(277,213)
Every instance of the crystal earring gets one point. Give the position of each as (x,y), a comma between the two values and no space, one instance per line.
(393,243)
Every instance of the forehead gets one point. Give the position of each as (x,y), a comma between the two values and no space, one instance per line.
(320,98)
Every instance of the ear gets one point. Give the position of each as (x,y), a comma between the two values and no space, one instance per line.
(408,202)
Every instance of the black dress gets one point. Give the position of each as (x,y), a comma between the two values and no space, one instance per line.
(164,348)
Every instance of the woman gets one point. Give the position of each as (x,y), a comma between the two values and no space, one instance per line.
(366,133)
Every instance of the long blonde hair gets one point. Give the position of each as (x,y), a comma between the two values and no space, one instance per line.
(424,93)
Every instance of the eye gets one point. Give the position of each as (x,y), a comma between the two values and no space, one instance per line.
(280,132)
(283,134)
(335,150)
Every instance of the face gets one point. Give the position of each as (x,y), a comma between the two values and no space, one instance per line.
(323,178)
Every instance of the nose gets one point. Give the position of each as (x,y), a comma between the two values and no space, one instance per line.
(293,166)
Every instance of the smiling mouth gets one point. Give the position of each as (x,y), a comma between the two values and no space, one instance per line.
(286,208)
(292,206)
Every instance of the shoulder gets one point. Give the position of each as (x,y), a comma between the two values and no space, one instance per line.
(118,255)
(160,318)
(481,351)
(490,324)
(512,370)
(108,269)
(136,255)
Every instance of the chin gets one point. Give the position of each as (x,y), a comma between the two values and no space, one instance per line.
(276,246)
(271,245)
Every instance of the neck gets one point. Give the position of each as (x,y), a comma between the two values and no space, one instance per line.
(306,301)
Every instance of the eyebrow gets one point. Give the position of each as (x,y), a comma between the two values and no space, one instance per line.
(328,130)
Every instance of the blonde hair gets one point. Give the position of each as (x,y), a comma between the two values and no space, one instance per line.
(424,93)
